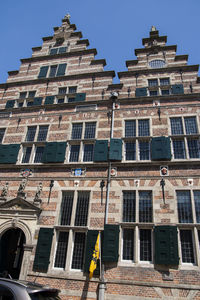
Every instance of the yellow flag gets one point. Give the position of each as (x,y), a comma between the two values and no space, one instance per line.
(95,257)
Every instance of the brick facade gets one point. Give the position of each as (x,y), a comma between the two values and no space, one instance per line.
(136,179)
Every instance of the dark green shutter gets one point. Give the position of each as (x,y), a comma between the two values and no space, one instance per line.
(10,103)
(43,250)
(160,148)
(166,245)
(101,150)
(37,101)
(9,153)
(13,153)
(49,100)
(49,154)
(110,243)
(90,244)
(115,149)
(54,152)
(43,72)
(177,89)
(141,92)
(61,70)
(80,97)
(60,151)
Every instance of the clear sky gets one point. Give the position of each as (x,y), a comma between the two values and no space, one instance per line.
(114,27)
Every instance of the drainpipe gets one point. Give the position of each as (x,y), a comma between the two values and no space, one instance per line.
(102,285)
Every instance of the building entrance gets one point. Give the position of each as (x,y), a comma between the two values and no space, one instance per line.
(11,252)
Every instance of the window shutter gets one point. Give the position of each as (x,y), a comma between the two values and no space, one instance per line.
(61,70)
(10,103)
(60,151)
(80,97)
(110,243)
(49,154)
(166,245)
(13,153)
(43,72)
(90,244)
(141,92)
(160,148)
(177,89)
(9,153)
(37,101)
(4,150)
(115,149)
(43,249)
(54,152)
(101,150)
(49,100)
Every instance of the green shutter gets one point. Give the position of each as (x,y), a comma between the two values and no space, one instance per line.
(43,249)
(141,92)
(90,244)
(110,243)
(49,100)
(101,150)
(54,152)
(43,72)
(60,151)
(115,149)
(49,154)
(37,101)
(4,150)
(160,148)
(13,153)
(177,89)
(10,103)
(80,97)
(9,153)
(166,245)
(61,70)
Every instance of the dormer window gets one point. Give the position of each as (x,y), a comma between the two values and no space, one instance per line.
(157,63)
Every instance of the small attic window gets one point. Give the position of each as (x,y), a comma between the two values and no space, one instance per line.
(157,63)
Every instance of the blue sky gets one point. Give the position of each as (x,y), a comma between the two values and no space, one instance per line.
(114,27)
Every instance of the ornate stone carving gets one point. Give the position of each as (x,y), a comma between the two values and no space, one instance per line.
(4,192)
(38,193)
(21,188)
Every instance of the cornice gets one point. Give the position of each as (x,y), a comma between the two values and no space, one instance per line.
(160,48)
(160,70)
(61,55)
(55,79)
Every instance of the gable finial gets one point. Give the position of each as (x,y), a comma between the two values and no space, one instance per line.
(153,28)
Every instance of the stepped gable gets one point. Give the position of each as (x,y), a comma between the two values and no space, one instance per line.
(63,59)
(155,60)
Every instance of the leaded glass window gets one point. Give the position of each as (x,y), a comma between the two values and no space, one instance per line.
(128,244)
(184,207)
(129,206)
(145,206)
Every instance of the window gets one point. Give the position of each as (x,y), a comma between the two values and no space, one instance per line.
(72,89)
(136,221)
(137,140)
(59,50)
(82,150)
(188,205)
(2,132)
(157,63)
(52,71)
(34,144)
(22,95)
(185,140)
(62,90)
(31,94)
(78,202)
(159,86)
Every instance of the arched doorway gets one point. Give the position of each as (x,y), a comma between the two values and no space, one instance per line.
(11,252)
